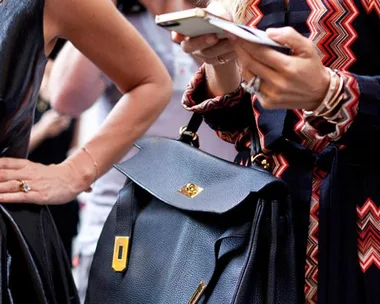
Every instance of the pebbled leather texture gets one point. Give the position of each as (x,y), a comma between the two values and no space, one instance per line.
(236,235)
(180,164)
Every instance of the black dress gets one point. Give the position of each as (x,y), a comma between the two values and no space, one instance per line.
(33,264)
(54,150)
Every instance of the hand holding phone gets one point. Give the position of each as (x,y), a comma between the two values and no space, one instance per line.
(196,22)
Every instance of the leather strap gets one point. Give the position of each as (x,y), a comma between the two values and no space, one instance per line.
(274,238)
(126,212)
(191,130)
(197,119)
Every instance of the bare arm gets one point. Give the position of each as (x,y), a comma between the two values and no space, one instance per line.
(75,82)
(103,35)
(107,39)
(37,136)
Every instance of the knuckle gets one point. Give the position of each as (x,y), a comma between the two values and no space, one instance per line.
(265,103)
(6,163)
(244,65)
(209,52)
(23,196)
(281,87)
(291,70)
(15,186)
(186,47)
(288,31)
(270,102)
(3,175)
(310,43)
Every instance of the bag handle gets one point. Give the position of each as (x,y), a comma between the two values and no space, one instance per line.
(188,134)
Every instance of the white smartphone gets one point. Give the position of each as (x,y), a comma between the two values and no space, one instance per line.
(190,23)
(196,22)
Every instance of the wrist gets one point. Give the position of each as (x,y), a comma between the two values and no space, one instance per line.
(325,90)
(331,102)
(82,169)
(222,78)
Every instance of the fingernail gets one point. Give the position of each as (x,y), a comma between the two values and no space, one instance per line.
(274,32)
(211,40)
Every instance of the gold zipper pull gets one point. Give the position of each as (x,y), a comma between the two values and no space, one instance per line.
(120,253)
(198,293)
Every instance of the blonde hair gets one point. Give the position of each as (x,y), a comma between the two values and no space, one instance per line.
(237,8)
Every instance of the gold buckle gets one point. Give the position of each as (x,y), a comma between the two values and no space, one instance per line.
(183,131)
(264,162)
(198,293)
(120,253)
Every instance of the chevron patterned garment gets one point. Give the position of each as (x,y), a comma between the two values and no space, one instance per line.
(335,175)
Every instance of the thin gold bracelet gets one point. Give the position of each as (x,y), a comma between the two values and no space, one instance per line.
(93,161)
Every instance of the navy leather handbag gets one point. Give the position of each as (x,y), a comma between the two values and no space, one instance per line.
(191,228)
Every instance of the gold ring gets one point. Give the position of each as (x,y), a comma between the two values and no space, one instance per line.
(256,84)
(248,86)
(221,60)
(253,86)
(24,186)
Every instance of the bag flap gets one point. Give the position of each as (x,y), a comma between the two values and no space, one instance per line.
(163,166)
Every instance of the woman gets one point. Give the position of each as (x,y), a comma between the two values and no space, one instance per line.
(76,79)
(317,112)
(33,266)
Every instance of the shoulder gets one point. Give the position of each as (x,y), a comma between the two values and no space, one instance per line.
(67,16)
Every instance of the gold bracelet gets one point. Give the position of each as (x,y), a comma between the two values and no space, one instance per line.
(332,98)
(332,104)
(93,161)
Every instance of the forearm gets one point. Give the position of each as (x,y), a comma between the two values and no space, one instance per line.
(128,121)
(222,79)
(75,82)
(36,138)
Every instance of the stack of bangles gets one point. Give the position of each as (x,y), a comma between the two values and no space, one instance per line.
(331,104)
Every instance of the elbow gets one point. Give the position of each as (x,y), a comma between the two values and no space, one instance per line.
(167,88)
(66,102)
(163,88)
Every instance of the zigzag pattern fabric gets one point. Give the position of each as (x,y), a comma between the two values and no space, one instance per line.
(368,235)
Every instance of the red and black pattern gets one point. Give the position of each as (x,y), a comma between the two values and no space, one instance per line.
(346,39)
(280,164)
(254,14)
(371,5)
(368,221)
(218,102)
(311,137)
(330,24)
(311,267)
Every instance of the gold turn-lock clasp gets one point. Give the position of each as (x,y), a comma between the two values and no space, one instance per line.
(120,253)
(261,159)
(190,190)
(198,293)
